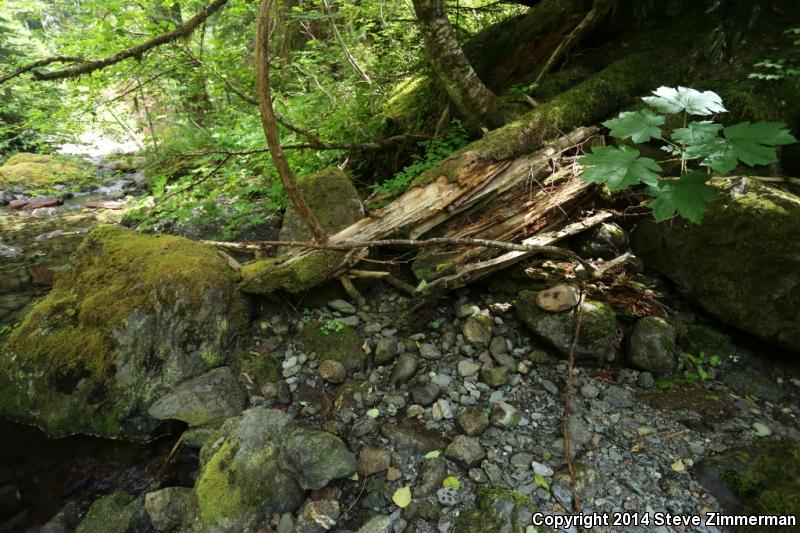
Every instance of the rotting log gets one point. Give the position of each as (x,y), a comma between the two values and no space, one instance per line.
(482,188)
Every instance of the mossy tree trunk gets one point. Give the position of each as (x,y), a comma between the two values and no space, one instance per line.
(473,100)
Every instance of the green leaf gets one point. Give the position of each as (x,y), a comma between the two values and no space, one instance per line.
(639,126)
(753,144)
(451,482)
(402,497)
(673,101)
(619,168)
(697,138)
(541,481)
(688,196)
(433,455)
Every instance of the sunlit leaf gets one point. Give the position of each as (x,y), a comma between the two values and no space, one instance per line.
(619,167)
(402,497)
(683,99)
(688,196)
(639,126)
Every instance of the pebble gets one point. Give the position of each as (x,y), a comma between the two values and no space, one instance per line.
(496,376)
(504,415)
(442,410)
(472,422)
(442,380)
(425,394)
(467,368)
(429,351)
(589,391)
(342,306)
(448,497)
(542,469)
(761,430)
(557,299)
(465,450)
(414,411)
(405,367)
(332,371)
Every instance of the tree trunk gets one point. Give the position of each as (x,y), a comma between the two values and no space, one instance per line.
(473,100)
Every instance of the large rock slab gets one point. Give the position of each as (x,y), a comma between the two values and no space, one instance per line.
(38,173)
(741,263)
(598,327)
(134,317)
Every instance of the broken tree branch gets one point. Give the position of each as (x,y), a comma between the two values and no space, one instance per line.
(85,66)
(576,502)
(347,54)
(599,10)
(271,131)
(38,64)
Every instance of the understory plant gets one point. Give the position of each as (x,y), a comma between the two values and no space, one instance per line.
(702,148)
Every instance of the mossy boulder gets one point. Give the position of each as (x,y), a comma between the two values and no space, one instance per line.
(132,318)
(116,513)
(342,344)
(332,197)
(259,465)
(598,327)
(497,509)
(38,173)
(607,241)
(757,480)
(651,346)
(740,263)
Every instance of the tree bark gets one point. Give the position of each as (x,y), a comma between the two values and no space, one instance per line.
(268,122)
(473,100)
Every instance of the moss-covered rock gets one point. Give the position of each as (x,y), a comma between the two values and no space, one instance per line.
(598,327)
(116,513)
(497,509)
(295,274)
(132,318)
(740,263)
(763,479)
(607,241)
(332,197)
(241,478)
(342,344)
(37,173)
(651,346)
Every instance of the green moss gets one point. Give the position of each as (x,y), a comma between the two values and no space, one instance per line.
(766,478)
(703,339)
(295,275)
(33,172)
(115,513)
(115,273)
(343,346)
(218,496)
(263,368)
(483,517)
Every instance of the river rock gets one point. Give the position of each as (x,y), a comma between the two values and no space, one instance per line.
(740,263)
(498,509)
(404,368)
(372,460)
(651,345)
(116,513)
(332,371)
(477,330)
(132,319)
(605,241)
(242,478)
(377,524)
(171,509)
(316,458)
(465,450)
(317,516)
(598,328)
(332,197)
(385,350)
(208,399)
(472,422)
(559,298)
(343,345)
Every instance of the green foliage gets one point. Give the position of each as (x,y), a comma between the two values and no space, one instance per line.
(331,326)
(698,367)
(699,143)
(780,68)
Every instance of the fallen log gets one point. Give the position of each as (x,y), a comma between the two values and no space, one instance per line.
(492,193)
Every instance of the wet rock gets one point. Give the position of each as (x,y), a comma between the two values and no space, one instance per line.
(746,383)
(598,328)
(432,473)
(377,524)
(372,460)
(465,450)
(342,306)
(135,317)
(385,350)
(404,369)
(241,475)
(171,509)
(467,368)
(472,422)
(116,513)
(425,394)
(317,516)
(495,376)
(558,299)
(207,399)
(332,371)
(605,241)
(652,346)
(740,264)
(505,415)
(316,458)
(429,351)
(477,330)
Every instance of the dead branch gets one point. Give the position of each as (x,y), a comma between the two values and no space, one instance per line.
(598,11)
(85,66)
(576,502)
(38,64)
(271,131)
(349,56)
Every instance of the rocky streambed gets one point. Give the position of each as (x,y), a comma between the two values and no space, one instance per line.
(316,412)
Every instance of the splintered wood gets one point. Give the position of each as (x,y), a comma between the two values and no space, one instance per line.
(529,200)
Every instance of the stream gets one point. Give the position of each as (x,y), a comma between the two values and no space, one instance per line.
(55,480)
